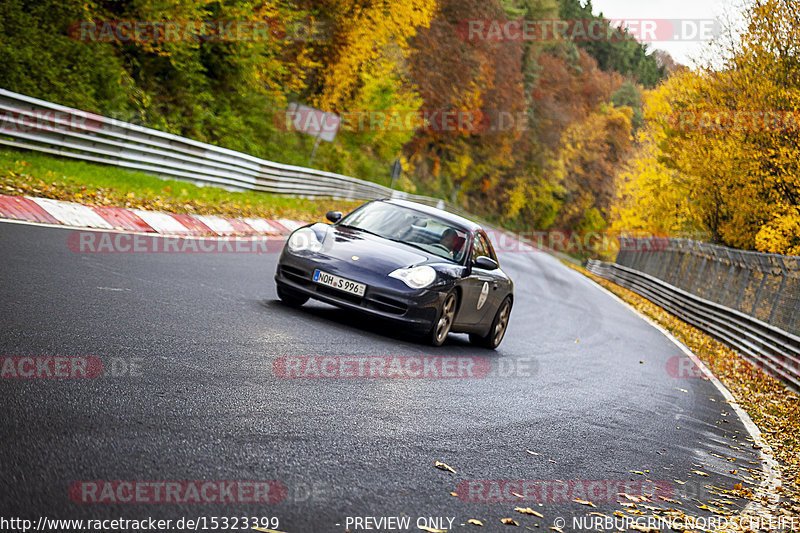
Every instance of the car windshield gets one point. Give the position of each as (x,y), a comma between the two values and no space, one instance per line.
(412,227)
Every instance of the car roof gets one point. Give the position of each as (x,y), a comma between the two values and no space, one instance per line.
(444,215)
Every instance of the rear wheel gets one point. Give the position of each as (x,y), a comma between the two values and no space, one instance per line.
(498,330)
(290,297)
(445,321)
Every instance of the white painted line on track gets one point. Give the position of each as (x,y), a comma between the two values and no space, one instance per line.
(772,474)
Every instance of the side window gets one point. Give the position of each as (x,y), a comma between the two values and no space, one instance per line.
(479,248)
(482,248)
(489,249)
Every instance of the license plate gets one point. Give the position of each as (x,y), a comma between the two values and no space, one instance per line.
(345,285)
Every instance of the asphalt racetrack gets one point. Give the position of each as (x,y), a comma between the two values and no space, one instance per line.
(195,388)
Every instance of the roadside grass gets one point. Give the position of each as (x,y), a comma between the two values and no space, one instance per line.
(772,407)
(44,176)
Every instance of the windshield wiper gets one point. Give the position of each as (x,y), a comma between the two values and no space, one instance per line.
(364,230)
(418,247)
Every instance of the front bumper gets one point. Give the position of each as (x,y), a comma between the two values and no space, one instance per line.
(416,309)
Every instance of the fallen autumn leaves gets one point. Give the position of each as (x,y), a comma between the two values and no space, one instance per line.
(772,407)
(159,195)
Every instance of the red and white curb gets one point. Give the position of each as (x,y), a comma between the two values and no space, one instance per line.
(48,211)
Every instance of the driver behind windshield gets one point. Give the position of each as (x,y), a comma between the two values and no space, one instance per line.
(451,240)
(405,225)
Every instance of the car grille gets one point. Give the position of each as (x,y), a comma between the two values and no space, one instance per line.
(389,305)
(295,274)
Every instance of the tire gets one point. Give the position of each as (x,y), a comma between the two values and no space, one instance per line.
(498,330)
(444,322)
(290,297)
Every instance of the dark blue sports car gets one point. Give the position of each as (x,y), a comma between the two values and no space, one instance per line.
(431,270)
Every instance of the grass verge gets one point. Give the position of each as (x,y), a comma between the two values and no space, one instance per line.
(43,176)
(771,406)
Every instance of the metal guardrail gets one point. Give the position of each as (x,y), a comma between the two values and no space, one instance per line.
(763,345)
(764,286)
(32,124)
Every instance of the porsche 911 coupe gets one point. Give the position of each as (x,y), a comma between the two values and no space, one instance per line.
(432,271)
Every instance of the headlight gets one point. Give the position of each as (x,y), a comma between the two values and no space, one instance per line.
(304,239)
(416,277)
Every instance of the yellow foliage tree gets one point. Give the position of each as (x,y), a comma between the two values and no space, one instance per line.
(591,152)
(720,149)
(650,196)
(369,39)
(781,235)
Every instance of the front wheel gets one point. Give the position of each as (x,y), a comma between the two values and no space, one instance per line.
(446,317)
(498,330)
(290,297)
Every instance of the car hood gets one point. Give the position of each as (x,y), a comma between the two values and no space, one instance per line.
(374,253)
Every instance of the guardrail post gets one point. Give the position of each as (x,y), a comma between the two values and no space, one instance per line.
(758,293)
(668,263)
(677,271)
(795,314)
(635,254)
(684,282)
(728,278)
(780,291)
(714,277)
(697,285)
(742,289)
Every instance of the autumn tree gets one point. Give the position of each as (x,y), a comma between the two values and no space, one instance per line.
(537,109)
(366,40)
(651,195)
(626,56)
(454,73)
(725,140)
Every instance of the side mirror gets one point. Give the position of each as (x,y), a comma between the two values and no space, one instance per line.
(486,263)
(334,216)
